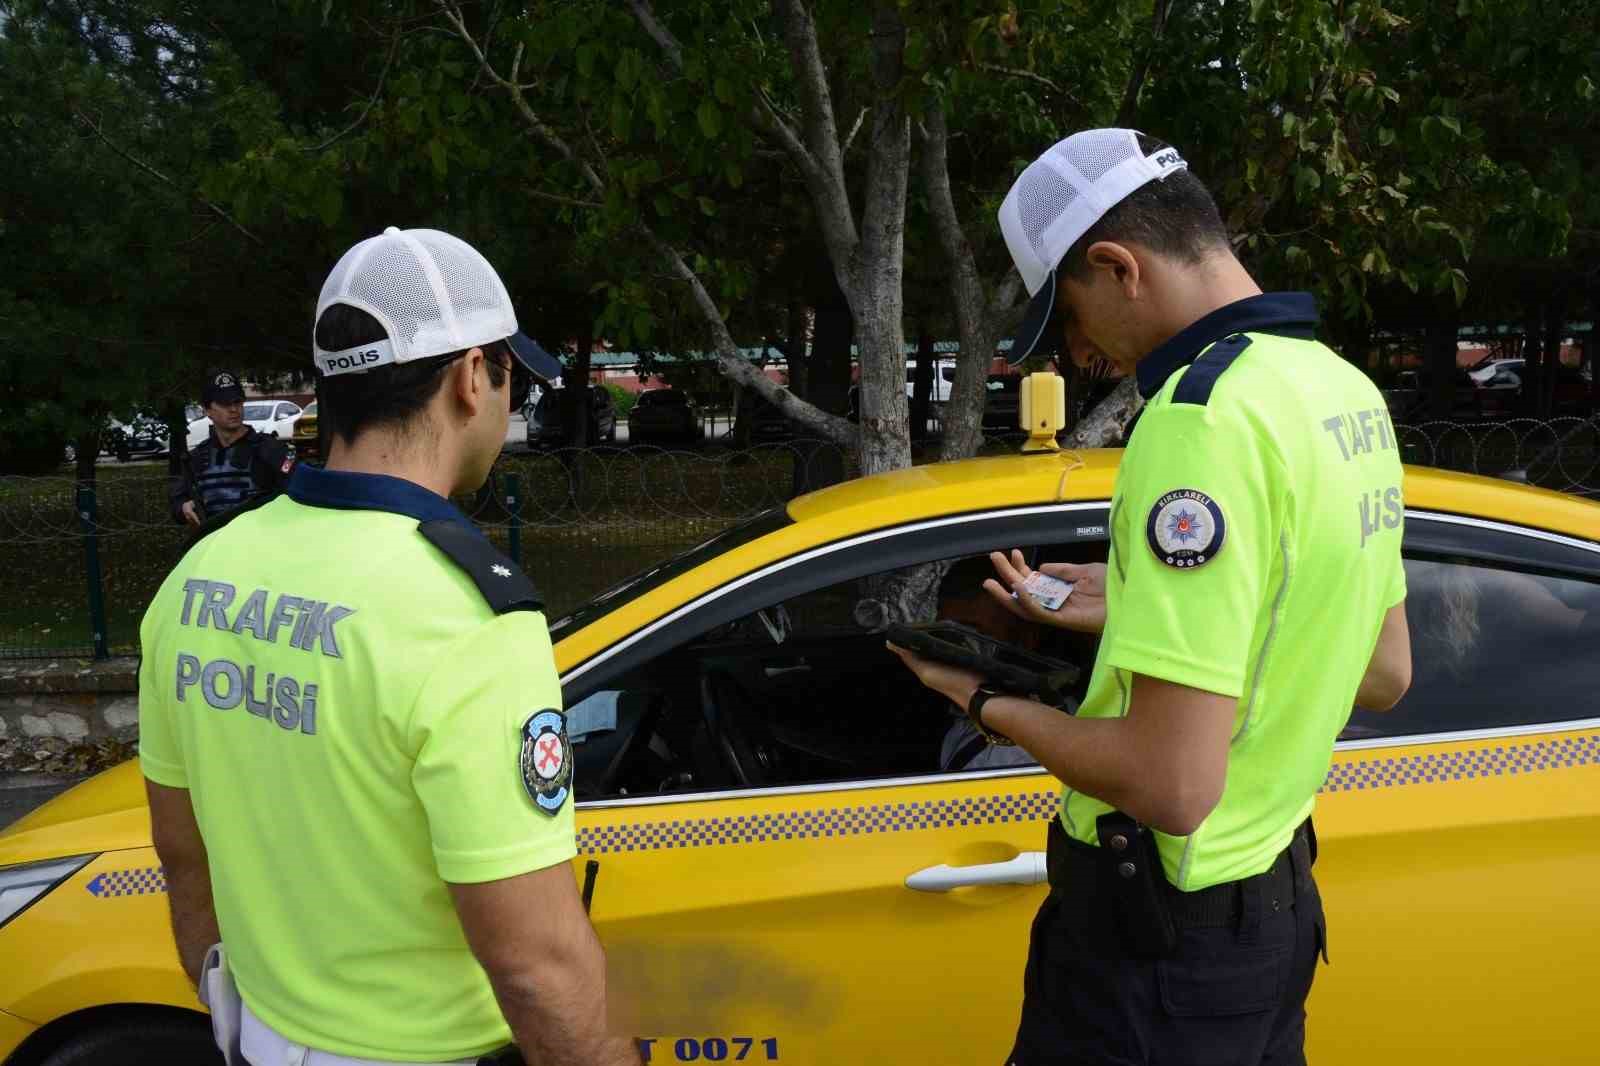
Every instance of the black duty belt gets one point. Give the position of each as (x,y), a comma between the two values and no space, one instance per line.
(1105,876)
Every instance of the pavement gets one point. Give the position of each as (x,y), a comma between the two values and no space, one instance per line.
(21,793)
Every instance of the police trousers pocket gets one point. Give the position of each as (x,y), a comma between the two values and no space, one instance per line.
(1243,981)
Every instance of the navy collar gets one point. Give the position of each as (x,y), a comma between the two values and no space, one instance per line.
(1288,314)
(349,491)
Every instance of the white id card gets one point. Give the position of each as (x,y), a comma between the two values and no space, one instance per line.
(1051,592)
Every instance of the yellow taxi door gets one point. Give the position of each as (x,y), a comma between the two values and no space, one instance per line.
(779,927)
(1461,831)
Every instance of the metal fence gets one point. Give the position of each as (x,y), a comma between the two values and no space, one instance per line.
(79,563)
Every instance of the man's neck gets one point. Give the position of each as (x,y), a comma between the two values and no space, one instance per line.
(1223,280)
(230,437)
(378,452)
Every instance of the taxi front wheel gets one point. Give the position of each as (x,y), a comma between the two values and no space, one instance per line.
(143,1042)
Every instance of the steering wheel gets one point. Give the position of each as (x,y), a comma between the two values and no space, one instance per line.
(633,749)
(743,743)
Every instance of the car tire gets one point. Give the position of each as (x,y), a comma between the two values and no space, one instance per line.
(155,1041)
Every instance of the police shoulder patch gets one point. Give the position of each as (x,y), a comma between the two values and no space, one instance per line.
(546,760)
(1186,529)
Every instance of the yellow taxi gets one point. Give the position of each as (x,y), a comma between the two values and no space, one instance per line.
(305,433)
(785,863)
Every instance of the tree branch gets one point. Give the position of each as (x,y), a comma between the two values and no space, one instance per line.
(834,428)
(565,201)
(1104,426)
(645,14)
(1141,69)
(849,140)
(727,353)
(95,128)
(388,64)
(1028,75)
(452,14)
(825,176)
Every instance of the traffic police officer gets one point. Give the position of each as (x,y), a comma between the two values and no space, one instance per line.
(234,464)
(351,723)
(1254,593)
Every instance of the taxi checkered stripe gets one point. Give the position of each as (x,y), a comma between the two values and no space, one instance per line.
(137,882)
(819,823)
(1498,761)
(1356,775)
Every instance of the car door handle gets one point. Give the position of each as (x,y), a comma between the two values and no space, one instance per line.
(1027,868)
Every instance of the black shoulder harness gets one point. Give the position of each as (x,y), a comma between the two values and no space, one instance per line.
(1197,382)
(501,581)
(216,522)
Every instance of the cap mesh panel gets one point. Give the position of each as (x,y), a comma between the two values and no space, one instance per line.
(1097,152)
(1044,197)
(392,280)
(473,291)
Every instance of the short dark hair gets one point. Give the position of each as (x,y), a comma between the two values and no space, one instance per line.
(1175,217)
(393,395)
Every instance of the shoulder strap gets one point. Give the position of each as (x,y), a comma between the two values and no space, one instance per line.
(1197,382)
(216,522)
(502,582)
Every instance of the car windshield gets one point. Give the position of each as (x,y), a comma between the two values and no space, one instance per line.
(662,398)
(258,412)
(653,578)
(310,409)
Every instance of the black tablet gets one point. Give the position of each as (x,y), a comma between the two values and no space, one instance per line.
(1008,668)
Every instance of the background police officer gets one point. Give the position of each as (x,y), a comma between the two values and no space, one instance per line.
(1254,592)
(351,723)
(234,464)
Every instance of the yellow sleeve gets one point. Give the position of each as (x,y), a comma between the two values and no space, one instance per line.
(1202,520)
(160,752)
(469,729)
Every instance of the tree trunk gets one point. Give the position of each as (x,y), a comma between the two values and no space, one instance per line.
(794,350)
(828,369)
(575,384)
(1533,359)
(922,387)
(88,448)
(978,321)
(1555,326)
(817,463)
(874,277)
(1439,360)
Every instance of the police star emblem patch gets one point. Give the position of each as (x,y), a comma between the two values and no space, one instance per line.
(546,760)
(1186,529)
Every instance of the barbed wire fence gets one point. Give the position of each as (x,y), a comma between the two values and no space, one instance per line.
(79,563)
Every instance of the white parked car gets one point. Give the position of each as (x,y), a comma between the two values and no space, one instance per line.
(944,372)
(270,418)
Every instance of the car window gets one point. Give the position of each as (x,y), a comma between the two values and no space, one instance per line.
(799,689)
(1493,647)
(258,412)
(287,410)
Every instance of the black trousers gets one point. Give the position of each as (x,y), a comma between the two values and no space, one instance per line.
(1231,993)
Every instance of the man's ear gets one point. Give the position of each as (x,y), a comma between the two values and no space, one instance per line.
(467,384)
(1117,262)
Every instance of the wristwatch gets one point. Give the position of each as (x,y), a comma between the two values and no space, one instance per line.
(975,714)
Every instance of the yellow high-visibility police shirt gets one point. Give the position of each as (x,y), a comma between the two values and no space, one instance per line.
(357,726)
(1255,548)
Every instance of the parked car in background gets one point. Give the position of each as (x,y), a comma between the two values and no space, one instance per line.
(766,421)
(143,436)
(664,416)
(548,428)
(1409,399)
(305,433)
(944,373)
(778,840)
(271,418)
(1002,403)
